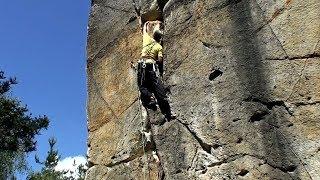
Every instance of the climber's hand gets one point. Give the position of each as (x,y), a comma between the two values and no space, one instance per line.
(160,59)
(132,65)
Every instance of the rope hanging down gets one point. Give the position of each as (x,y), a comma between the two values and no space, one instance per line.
(142,127)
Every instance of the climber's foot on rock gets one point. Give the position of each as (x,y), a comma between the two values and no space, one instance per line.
(170,117)
(152,104)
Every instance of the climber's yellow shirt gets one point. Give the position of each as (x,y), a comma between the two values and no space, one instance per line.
(151,48)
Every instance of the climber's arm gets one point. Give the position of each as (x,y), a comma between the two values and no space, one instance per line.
(140,23)
(145,28)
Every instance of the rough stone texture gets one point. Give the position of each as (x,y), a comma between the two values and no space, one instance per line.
(258,120)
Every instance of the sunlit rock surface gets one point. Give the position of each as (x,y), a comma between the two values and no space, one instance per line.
(259,119)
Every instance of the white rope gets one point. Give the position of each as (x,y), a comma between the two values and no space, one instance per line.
(144,158)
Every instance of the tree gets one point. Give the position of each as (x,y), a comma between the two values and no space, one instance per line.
(17,130)
(49,172)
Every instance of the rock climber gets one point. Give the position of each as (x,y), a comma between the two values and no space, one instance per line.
(150,85)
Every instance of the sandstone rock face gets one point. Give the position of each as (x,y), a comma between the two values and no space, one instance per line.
(258,120)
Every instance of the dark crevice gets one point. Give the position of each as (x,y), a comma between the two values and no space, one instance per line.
(210,45)
(291,168)
(206,147)
(290,124)
(178,171)
(314,55)
(215,73)
(132,19)
(306,103)
(243,172)
(269,104)
(239,140)
(286,169)
(227,160)
(258,116)
(236,119)
(90,164)
(132,157)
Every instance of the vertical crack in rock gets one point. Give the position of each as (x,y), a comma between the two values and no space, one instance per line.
(268,21)
(206,147)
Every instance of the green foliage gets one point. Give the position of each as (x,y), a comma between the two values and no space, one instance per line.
(82,169)
(48,171)
(17,130)
(11,162)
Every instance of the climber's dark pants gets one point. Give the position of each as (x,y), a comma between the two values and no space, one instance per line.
(149,83)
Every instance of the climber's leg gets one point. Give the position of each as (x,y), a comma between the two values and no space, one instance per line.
(161,96)
(144,85)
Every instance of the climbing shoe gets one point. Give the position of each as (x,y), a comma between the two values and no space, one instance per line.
(170,117)
(152,104)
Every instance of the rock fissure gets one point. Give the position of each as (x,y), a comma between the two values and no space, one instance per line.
(306,103)
(269,104)
(286,169)
(210,45)
(133,155)
(129,106)
(206,147)
(103,99)
(304,57)
(193,159)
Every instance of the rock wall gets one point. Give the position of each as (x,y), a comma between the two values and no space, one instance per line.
(258,120)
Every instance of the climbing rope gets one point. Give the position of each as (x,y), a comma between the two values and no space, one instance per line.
(141,117)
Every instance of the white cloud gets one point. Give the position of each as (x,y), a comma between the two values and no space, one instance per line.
(71,164)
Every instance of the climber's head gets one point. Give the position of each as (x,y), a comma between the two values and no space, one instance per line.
(157,35)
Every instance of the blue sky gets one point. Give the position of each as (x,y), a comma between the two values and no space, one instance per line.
(43,44)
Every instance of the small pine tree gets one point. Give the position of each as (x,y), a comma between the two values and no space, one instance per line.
(49,172)
(17,130)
